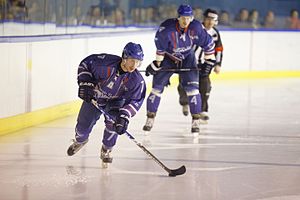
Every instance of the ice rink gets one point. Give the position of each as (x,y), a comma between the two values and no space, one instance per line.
(249,150)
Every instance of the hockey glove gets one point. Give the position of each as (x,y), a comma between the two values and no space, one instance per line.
(152,68)
(209,63)
(121,123)
(86,91)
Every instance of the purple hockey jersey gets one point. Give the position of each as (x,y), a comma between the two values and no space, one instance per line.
(102,70)
(173,41)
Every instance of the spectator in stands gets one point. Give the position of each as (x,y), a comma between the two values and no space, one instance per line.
(150,18)
(269,20)
(95,19)
(293,21)
(241,21)
(118,16)
(76,17)
(49,12)
(107,9)
(224,20)
(18,10)
(198,13)
(3,7)
(254,19)
(134,13)
(35,11)
(60,14)
(171,10)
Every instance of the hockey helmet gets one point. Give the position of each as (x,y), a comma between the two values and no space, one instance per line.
(185,10)
(210,13)
(132,50)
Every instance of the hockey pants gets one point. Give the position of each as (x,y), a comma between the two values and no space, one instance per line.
(189,80)
(87,118)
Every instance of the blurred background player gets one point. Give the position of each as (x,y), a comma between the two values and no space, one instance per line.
(118,88)
(174,41)
(209,22)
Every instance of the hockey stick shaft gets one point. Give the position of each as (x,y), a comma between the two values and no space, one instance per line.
(135,141)
(175,70)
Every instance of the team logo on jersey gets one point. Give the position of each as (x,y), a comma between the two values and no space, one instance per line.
(111,85)
(101,57)
(182,37)
(161,28)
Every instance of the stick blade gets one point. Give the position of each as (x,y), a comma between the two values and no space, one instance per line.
(176,172)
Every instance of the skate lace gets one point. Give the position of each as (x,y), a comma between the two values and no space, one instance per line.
(77,144)
(149,122)
(195,123)
(105,153)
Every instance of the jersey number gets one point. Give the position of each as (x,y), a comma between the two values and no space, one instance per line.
(152,98)
(194,100)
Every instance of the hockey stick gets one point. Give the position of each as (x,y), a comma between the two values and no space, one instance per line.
(174,70)
(172,172)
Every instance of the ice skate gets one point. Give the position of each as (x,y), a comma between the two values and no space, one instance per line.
(149,122)
(185,110)
(195,127)
(75,147)
(204,118)
(105,157)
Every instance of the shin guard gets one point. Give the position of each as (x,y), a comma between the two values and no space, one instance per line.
(194,101)
(153,100)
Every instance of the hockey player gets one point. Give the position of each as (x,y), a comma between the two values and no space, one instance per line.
(210,20)
(174,41)
(118,88)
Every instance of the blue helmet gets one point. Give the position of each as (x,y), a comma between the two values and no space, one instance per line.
(132,50)
(185,10)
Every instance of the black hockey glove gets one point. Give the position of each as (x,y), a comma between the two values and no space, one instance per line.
(86,91)
(209,63)
(152,68)
(206,67)
(121,123)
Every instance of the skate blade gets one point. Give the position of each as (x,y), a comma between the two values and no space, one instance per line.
(146,133)
(194,134)
(191,135)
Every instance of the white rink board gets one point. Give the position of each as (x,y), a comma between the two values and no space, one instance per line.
(52,79)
